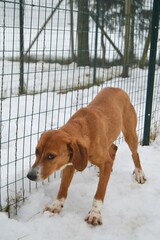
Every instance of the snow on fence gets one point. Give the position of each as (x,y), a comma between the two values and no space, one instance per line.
(55,56)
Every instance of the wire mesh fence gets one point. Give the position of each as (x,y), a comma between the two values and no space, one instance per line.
(55,56)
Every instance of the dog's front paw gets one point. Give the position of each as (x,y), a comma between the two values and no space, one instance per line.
(94,218)
(139,176)
(55,207)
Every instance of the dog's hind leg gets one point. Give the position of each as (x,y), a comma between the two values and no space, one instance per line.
(129,131)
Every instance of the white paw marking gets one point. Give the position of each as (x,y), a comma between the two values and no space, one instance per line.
(94,216)
(56,206)
(139,175)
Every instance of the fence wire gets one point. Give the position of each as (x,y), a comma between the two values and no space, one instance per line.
(55,56)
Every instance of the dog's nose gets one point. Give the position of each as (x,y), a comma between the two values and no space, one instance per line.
(32,175)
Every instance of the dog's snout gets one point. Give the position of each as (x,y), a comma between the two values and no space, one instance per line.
(32,175)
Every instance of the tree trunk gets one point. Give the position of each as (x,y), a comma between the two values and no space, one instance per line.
(145,51)
(131,49)
(127,39)
(72,31)
(83,32)
(102,36)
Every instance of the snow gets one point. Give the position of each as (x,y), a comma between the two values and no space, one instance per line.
(130,211)
(55,77)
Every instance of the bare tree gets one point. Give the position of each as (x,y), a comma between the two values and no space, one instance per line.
(72,30)
(83,33)
(125,72)
(145,50)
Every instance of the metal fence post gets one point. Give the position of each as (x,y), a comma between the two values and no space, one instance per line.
(21,21)
(96,42)
(0,149)
(151,71)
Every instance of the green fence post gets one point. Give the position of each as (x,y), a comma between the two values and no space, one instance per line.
(96,42)
(0,149)
(151,71)
(21,21)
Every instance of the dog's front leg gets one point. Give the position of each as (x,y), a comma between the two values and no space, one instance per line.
(94,216)
(57,205)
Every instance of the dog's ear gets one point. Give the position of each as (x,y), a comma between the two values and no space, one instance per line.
(78,155)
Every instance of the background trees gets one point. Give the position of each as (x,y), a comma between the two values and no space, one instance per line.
(130,19)
(121,24)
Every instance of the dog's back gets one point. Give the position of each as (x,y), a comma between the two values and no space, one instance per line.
(109,99)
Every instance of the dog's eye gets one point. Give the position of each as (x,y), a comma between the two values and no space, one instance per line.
(51,156)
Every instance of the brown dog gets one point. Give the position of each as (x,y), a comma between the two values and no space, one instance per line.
(88,136)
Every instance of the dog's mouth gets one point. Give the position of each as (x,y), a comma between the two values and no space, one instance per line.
(34,174)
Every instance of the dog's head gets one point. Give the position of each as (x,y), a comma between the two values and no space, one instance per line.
(55,150)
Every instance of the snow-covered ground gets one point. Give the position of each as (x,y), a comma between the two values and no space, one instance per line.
(131,211)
